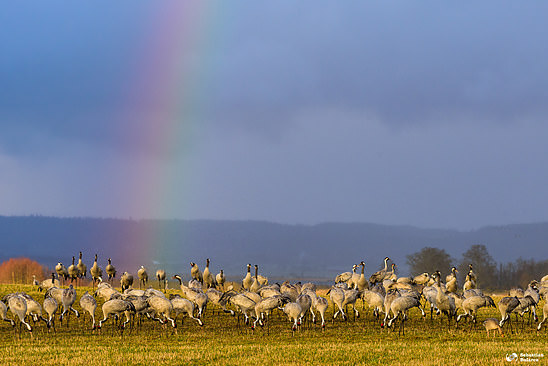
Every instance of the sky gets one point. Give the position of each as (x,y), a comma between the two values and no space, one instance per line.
(393,112)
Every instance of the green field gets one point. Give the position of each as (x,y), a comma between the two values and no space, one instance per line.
(221,341)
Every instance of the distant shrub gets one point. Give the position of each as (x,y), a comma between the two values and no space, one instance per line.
(20,270)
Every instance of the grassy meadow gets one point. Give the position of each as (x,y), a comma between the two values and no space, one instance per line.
(222,341)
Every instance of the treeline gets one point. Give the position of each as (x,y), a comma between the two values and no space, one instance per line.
(21,270)
(491,275)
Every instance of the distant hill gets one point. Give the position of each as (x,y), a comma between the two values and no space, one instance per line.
(283,251)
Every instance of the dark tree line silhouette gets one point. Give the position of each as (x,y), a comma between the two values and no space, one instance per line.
(491,275)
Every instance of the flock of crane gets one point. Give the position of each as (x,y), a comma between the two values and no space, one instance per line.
(388,296)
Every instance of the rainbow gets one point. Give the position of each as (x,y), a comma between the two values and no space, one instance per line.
(165,102)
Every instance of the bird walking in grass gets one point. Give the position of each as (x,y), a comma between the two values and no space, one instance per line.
(89,304)
(492,324)
(506,306)
(68,299)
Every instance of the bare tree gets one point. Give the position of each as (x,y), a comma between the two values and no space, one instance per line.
(429,260)
(483,264)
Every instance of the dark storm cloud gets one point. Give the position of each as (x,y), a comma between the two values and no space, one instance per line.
(65,69)
(420,113)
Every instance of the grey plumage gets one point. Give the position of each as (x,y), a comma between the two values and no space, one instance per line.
(89,304)
(105,291)
(73,271)
(61,271)
(161,276)
(305,302)
(221,279)
(400,307)
(444,303)
(110,270)
(362,283)
(18,307)
(49,283)
(68,299)
(96,272)
(266,305)
(197,296)
(336,295)
(143,276)
(451,283)
(472,304)
(248,279)
(185,307)
(50,306)
(545,316)
(4,313)
(293,312)
(506,306)
(209,280)
(126,281)
(241,301)
(117,307)
(196,273)
(82,268)
(379,275)
(162,306)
